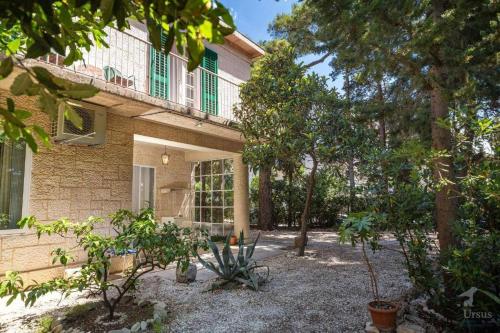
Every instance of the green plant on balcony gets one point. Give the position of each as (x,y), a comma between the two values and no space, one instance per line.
(241,269)
(153,245)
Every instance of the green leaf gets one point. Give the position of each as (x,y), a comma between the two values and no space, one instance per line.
(79,91)
(45,77)
(6,67)
(107,10)
(42,135)
(71,115)
(21,83)
(13,46)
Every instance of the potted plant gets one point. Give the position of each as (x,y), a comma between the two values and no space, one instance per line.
(233,240)
(358,228)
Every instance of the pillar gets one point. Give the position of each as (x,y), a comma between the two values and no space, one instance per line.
(241,198)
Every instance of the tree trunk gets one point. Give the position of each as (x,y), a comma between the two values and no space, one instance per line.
(446,200)
(265,199)
(382,135)
(446,196)
(352,183)
(290,198)
(381,120)
(305,213)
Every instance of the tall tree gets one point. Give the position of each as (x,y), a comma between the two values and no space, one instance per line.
(283,114)
(433,43)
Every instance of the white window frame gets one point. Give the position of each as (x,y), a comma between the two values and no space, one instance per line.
(154,184)
(25,211)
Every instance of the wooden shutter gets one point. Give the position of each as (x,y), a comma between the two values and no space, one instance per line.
(209,83)
(159,72)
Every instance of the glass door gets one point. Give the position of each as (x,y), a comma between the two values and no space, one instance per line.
(143,185)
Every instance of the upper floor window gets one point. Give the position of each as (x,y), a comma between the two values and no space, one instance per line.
(12,171)
(210,83)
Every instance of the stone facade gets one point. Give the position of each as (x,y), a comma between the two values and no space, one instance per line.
(73,182)
(80,181)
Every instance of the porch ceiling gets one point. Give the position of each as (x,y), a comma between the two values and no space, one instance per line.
(192,152)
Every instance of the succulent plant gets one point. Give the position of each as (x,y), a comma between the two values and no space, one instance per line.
(242,269)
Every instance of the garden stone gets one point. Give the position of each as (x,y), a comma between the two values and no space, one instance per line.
(410,328)
(57,329)
(136,327)
(144,325)
(123,330)
(188,276)
(369,328)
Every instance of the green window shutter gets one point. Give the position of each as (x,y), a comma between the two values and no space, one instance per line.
(159,73)
(209,83)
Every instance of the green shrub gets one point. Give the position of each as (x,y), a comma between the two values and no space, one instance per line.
(242,269)
(153,246)
(45,324)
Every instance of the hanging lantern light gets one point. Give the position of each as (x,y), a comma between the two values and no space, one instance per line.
(165,157)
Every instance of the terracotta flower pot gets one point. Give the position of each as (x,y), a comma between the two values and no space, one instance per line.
(233,240)
(383,314)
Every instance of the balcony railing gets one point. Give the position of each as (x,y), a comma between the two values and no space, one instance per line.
(132,63)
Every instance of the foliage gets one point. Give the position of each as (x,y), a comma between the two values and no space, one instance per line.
(361,228)
(152,245)
(242,269)
(45,324)
(328,203)
(420,76)
(35,28)
(288,117)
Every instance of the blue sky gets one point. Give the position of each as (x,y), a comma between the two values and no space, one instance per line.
(252,18)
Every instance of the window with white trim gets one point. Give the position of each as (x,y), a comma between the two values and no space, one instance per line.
(213,196)
(12,183)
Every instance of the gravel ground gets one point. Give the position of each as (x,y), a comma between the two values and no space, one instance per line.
(325,291)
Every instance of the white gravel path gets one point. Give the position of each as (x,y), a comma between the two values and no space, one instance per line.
(325,291)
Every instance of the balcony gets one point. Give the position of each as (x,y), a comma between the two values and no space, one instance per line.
(131,63)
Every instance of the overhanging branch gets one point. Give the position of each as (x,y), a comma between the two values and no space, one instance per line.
(318,61)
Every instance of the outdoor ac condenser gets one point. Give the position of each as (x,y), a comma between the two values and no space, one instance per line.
(93,126)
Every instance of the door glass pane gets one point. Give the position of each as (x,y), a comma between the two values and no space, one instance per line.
(143,188)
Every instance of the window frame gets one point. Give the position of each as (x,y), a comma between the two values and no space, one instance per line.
(154,185)
(25,210)
(222,206)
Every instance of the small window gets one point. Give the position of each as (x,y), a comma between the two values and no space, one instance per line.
(12,170)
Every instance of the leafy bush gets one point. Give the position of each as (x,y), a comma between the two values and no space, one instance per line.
(329,200)
(242,269)
(45,324)
(153,246)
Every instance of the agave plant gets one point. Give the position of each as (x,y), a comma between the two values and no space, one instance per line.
(242,269)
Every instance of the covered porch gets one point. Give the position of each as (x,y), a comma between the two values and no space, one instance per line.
(191,185)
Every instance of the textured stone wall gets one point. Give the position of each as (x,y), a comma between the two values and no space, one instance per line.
(73,182)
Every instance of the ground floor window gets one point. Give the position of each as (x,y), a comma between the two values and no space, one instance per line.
(143,184)
(12,171)
(213,196)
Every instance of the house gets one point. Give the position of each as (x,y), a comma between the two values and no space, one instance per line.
(155,136)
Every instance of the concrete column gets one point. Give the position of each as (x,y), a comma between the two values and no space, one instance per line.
(241,198)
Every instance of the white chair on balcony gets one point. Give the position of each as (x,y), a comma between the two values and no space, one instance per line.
(112,74)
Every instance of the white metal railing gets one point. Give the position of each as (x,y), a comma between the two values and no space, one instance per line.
(131,63)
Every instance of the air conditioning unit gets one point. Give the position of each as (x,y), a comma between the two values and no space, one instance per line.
(93,126)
